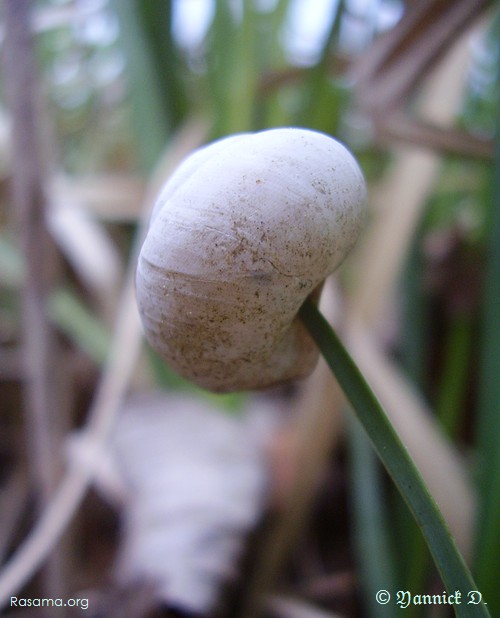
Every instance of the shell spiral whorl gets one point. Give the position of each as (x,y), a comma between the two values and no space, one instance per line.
(242,233)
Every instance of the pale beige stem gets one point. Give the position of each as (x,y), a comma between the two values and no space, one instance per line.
(397,208)
(112,388)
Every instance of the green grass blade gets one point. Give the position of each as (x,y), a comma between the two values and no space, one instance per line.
(148,111)
(322,100)
(373,548)
(232,68)
(415,332)
(449,562)
(156,20)
(79,324)
(456,364)
(488,523)
(414,358)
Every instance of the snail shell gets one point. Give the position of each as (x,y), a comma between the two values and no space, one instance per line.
(243,232)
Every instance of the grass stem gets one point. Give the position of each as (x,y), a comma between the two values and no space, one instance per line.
(449,562)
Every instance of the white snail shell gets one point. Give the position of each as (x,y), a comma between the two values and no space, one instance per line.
(243,232)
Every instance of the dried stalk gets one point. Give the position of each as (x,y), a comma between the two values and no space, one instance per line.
(399,201)
(39,345)
(318,428)
(111,390)
(437,460)
(399,127)
(397,63)
(397,209)
(400,60)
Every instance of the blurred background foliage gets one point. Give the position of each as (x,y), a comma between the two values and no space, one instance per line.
(125,81)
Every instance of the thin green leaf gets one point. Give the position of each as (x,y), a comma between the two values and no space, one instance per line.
(488,523)
(79,325)
(232,68)
(372,542)
(322,100)
(415,316)
(150,120)
(156,20)
(11,263)
(451,566)
(455,368)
